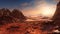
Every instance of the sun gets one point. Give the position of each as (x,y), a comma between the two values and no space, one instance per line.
(48,11)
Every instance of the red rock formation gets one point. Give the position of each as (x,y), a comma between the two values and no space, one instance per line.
(18,14)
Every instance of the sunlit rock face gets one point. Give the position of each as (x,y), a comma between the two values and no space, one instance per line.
(56,17)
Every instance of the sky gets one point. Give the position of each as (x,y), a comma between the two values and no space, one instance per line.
(31,7)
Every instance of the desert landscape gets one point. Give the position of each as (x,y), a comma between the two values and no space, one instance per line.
(15,22)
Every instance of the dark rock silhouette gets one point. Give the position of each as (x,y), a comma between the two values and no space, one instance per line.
(7,12)
(7,16)
(56,16)
(18,14)
(4,12)
(4,16)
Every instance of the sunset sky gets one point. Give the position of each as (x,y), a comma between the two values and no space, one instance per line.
(31,7)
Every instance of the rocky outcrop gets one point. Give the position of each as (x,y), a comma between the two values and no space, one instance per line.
(4,12)
(7,16)
(18,14)
(56,16)
(57,13)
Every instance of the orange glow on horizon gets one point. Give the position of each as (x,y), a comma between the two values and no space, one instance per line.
(43,9)
(48,11)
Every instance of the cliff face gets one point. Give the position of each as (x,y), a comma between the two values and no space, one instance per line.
(56,17)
